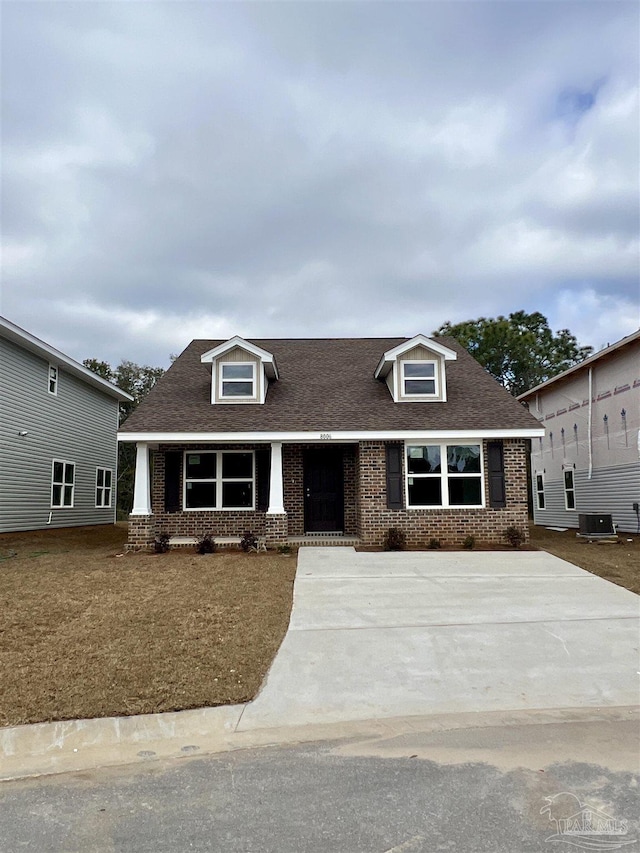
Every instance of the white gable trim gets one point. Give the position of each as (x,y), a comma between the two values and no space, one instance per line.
(265,357)
(391,356)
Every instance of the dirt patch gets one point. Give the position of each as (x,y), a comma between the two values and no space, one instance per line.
(615,561)
(87,633)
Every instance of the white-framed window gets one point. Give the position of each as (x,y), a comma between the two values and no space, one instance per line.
(539,486)
(63,475)
(219,479)
(419,379)
(53,379)
(444,475)
(569,489)
(238,380)
(104,487)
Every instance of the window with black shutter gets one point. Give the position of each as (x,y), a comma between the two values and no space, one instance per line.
(394,476)
(172,469)
(495,464)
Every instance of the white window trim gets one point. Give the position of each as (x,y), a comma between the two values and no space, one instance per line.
(435,377)
(538,491)
(104,488)
(444,476)
(64,463)
(52,377)
(218,481)
(571,470)
(221,380)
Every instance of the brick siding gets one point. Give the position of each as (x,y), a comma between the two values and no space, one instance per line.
(366,513)
(450,526)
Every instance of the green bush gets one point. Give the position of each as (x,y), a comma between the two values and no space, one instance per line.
(395,540)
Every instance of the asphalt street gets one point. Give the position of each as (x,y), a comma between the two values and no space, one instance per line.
(499,791)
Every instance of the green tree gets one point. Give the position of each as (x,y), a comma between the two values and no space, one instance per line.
(520,350)
(137,380)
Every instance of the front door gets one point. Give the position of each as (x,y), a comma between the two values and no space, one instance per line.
(323,491)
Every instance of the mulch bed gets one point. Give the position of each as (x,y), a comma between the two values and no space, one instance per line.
(87,631)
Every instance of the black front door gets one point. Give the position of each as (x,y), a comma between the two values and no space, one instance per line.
(323,491)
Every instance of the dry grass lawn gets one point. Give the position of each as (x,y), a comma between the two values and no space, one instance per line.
(88,632)
(618,562)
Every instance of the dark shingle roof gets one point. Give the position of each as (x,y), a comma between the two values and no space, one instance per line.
(326,385)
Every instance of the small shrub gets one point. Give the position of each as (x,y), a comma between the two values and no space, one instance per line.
(284,549)
(161,543)
(514,536)
(249,541)
(206,544)
(469,542)
(395,540)
(434,544)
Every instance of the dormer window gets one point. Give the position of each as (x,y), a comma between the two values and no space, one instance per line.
(415,370)
(238,380)
(240,372)
(419,378)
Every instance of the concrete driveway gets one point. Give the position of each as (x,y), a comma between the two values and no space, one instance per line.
(402,634)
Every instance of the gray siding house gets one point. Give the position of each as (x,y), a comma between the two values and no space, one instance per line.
(588,460)
(58,426)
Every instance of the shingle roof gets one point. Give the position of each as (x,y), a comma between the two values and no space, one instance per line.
(326,385)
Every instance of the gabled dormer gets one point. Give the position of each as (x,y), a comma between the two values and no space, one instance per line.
(240,372)
(415,370)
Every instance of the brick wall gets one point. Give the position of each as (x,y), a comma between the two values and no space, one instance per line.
(198,522)
(450,526)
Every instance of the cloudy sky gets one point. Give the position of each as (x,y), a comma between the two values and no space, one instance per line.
(175,170)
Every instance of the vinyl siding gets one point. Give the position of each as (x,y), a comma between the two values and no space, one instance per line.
(78,425)
(611,490)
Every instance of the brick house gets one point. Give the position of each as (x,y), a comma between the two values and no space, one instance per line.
(329,441)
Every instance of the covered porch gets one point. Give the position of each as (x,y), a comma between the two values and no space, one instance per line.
(285,493)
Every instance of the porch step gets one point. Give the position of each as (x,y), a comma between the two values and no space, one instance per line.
(316,540)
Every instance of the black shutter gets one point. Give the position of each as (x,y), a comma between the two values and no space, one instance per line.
(495,457)
(394,476)
(172,470)
(263,468)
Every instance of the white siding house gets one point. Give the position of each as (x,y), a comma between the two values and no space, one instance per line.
(58,426)
(589,458)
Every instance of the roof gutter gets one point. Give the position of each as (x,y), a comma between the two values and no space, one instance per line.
(342,436)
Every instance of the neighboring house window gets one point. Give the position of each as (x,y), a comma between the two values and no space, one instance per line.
(53,379)
(238,380)
(62,483)
(219,480)
(540,489)
(569,489)
(104,479)
(419,378)
(444,475)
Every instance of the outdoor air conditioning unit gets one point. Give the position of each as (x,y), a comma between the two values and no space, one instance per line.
(596,525)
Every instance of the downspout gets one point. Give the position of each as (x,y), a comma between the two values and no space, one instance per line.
(590,421)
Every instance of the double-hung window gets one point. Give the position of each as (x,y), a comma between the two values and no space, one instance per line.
(443,475)
(419,379)
(219,479)
(63,475)
(540,489)
(53,379)
(569,489)
(104,480)
(238,380)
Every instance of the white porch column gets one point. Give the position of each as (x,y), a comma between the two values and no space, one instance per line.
(142,485)
(276,487)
